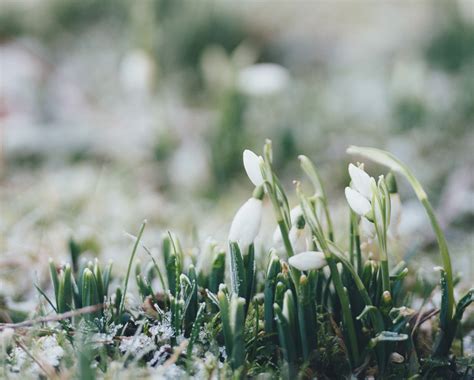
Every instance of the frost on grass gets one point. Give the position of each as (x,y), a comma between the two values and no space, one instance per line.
(47,351)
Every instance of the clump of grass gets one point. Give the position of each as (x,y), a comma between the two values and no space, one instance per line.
(324,309)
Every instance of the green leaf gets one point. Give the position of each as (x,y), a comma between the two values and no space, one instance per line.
(225,318)
(217,272)
(463,303)
(274,267)
(237,270)
(99,280)
(55,280)
(237,322)
(196,329)
(249,264)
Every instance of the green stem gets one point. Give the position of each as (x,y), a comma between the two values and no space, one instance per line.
(385,275)
(316,229)
(346,309)
(295,273)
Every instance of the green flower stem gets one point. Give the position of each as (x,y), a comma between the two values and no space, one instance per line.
(134,251)
(374,314)
(313,174)
(355,240)
(316,229)
(388,159)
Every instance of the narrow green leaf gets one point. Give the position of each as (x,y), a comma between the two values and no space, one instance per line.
(216,276)
(274,267)
(237,270)
(225,318)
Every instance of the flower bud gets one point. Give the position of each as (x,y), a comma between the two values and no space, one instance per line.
(391,183)
(246,223)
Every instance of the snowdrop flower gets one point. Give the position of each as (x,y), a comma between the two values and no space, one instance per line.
(358,203)
(360,196)
(308,260)
(297,238)
(361,181)
(246,223)
(252,167)
(295,214)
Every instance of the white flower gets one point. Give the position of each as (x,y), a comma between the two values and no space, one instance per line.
(298,239)
(367,229)
(252,167)
(308,260)
(357,202)
(295,213)
(246,223)
(361,181)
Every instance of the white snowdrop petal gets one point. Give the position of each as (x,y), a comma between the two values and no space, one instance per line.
(395,215)
(246,223)
(295,213)
(277,238)
(308,260)
(252,167)
(297,239)
(361,181)
(367,229)
(357,202)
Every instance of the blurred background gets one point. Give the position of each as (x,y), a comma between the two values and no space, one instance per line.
(115,111)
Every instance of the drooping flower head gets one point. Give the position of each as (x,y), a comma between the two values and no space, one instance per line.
(308,260)
(246,223)
(359,196)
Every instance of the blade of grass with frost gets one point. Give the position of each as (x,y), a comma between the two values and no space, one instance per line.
(178,256)
(196,329)
(306,318)
(54,279)
(249,264)
(225,319)
(192,307)
(217,274)
(157,268)
(107,276)
(389,160)
(99,280)
(286,340)
(170,264)
(237,270)
(134,251)
(237,324)
(65,291)
(40,291)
